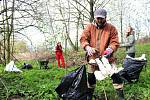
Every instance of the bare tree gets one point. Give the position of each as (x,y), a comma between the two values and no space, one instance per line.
(63,19)
(9,21)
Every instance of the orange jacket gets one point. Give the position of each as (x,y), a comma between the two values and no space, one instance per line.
(100,38)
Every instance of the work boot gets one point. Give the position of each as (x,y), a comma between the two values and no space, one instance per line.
(90,93)
(120,94)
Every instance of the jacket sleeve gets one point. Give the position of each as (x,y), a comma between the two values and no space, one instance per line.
(129,41)
(85,37)
(114,39)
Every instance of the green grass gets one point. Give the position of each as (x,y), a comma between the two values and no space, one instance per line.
(34,84)
(40,84)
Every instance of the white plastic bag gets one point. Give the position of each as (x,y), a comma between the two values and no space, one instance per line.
(105,68)
(11,67)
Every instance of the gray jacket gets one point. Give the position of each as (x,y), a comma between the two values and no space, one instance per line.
(130,44)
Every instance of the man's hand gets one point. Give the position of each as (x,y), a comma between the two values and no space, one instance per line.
(90,50)
(107,53)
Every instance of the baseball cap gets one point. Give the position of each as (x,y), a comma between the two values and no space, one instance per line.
(100,12)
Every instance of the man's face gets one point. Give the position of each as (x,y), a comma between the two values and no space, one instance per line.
(100,21)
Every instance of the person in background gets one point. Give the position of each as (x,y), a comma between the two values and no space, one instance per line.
(59,55)
(130,42)
(101,37)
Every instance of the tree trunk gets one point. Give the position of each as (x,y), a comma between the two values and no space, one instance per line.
(91,10)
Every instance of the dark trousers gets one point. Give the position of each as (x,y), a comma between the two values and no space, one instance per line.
(117,83)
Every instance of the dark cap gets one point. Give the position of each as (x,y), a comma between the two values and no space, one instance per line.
(100,12)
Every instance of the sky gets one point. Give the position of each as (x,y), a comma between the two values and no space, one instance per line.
(35,35)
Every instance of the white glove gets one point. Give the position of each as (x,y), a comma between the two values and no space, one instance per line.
(90,50)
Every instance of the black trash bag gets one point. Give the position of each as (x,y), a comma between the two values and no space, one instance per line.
(74,85)
(132,69)
(27,66)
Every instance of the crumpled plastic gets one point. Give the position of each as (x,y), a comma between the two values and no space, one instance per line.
(132,68)
(73,86)
(105,68)
(11,67)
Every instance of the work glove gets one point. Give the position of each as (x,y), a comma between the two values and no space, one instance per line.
(90,50)
(107,53)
